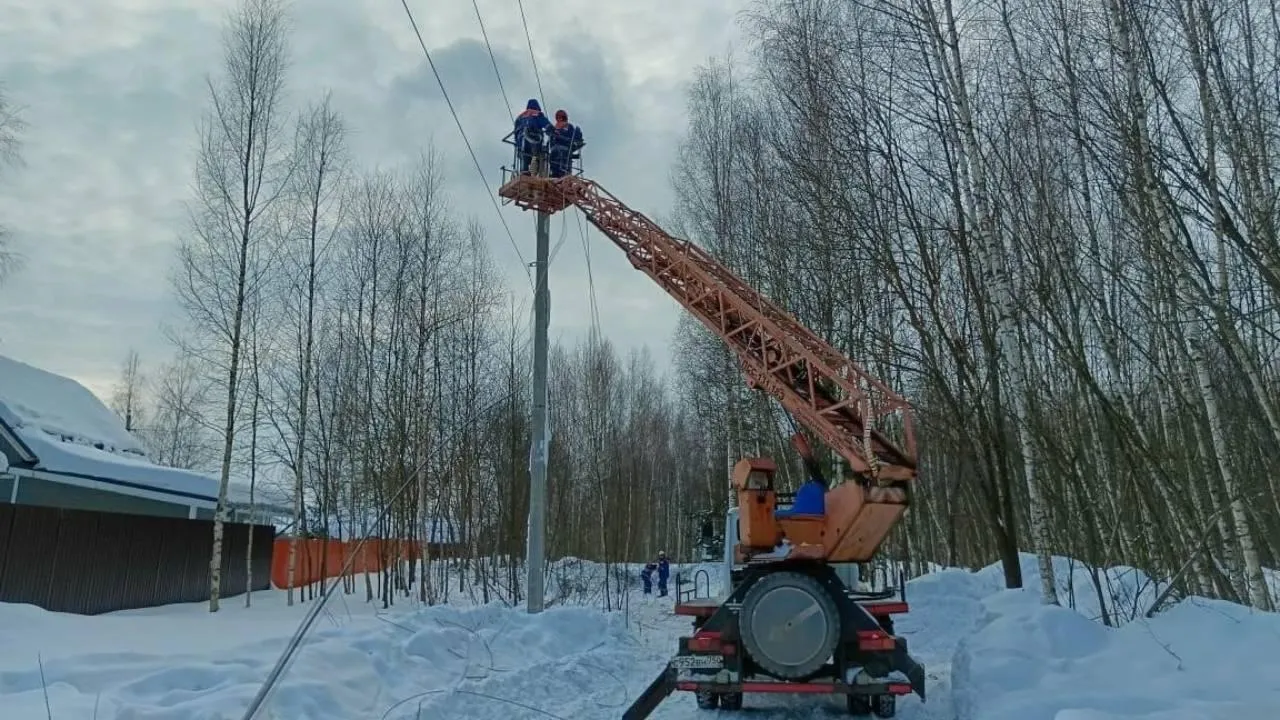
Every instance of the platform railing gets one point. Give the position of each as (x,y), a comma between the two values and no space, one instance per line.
(685,593)
(541,164)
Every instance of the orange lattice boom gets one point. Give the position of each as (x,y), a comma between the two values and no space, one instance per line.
(827,392)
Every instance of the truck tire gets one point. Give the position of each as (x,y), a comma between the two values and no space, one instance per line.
(707,700)
(731,701)
(789,625)
(886,706)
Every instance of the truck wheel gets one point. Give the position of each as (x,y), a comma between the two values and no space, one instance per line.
(886,705)
(707,700)
(731,701)
(789,624)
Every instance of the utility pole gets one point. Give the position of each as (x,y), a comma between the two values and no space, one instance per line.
(536,549)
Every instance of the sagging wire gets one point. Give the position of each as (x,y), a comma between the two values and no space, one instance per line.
(492,58)
(489,190)
(529,39)
(564,227)
(295,642)
(591,282)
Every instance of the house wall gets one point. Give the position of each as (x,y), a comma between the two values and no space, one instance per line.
(90,562)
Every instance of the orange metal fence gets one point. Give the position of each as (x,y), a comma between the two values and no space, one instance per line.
(323,559)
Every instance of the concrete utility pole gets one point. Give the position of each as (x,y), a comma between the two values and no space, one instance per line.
(536,550)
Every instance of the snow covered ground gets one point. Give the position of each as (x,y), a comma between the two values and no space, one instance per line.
(991,655)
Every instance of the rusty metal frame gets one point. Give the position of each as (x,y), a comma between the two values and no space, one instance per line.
(533,195)
(826,391)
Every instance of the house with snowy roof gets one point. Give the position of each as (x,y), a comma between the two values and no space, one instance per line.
(60,446)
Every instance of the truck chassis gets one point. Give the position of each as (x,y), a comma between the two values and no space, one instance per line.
(869,665)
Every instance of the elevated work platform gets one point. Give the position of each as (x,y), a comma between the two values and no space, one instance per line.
(533,192)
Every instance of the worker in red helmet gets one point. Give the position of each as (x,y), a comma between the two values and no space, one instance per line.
(563,145)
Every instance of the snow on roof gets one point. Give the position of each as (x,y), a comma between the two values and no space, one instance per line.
(72,432)
(40,402)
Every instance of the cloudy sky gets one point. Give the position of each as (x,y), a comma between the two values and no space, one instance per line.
(112,90)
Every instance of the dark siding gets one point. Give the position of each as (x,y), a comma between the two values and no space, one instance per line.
(90,562)
(6,525)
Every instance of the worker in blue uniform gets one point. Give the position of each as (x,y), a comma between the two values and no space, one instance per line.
(811,499)
(564,142)
(530,127)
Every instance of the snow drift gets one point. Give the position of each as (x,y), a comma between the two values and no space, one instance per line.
(475,662)
(990,654)
(1201,659)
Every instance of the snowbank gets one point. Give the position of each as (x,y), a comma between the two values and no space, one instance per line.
(1201,659)
(411,662)
(990,654)
(1124,591)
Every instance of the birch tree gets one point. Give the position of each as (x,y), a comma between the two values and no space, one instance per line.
(11,127)
(241,172)
(176,432)
(1053,229)
(315,219)
(126,396)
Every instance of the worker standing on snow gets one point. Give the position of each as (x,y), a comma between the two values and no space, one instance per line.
(646,577)
(664,572)
(565,141)
(528,134)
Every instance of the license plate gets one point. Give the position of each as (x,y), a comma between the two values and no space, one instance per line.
(688,662)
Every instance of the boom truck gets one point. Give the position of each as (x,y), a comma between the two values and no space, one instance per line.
(792,620)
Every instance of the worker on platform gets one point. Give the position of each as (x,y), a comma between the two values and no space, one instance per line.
(528,134)
(811,499)
(664,572)
(563,145)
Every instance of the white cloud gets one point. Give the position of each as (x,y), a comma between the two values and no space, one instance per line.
(113,88)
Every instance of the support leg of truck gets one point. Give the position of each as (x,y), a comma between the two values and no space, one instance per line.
(658,690)
(908,666)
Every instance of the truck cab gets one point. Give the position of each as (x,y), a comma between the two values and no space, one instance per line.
(731,572)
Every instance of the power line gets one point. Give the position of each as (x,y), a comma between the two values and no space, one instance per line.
(529,39)
(291,648)
(472,152)
(492,58)
(591,282)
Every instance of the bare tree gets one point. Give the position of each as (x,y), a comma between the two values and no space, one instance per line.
(1052,224)
(176,432)
(126,395)
(317,192)
(242,171)
(11,127)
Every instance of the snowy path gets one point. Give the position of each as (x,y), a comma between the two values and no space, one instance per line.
(362,662)
(1202,660)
